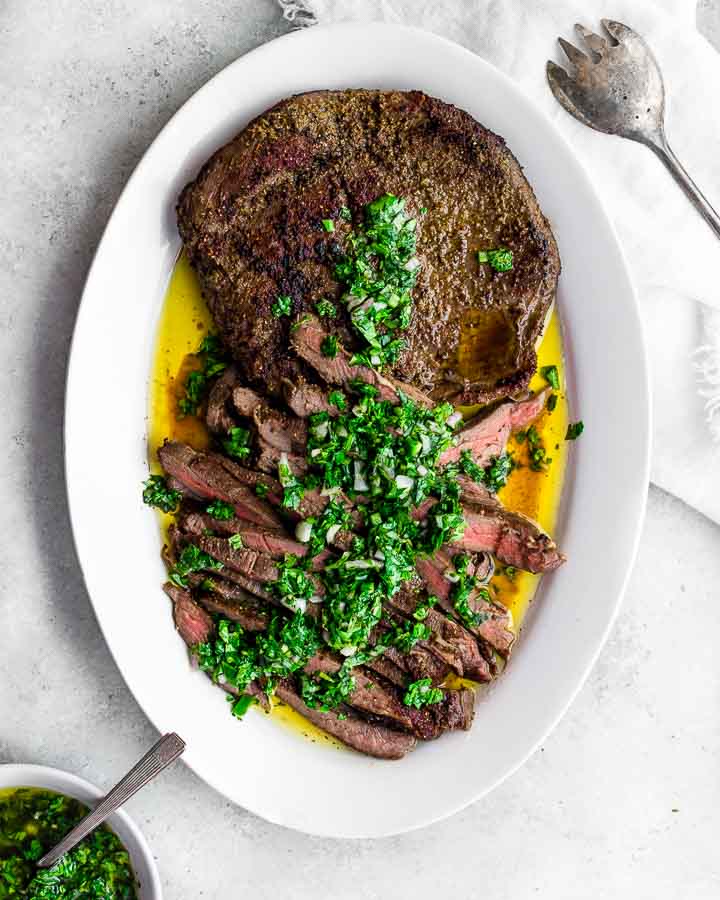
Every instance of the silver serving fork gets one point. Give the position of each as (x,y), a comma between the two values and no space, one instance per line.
(617,87)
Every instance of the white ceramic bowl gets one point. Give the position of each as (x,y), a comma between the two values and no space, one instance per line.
(70,785)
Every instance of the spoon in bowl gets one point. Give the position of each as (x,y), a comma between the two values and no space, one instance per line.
(159,757)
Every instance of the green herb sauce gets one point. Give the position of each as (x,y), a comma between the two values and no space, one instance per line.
(32,821)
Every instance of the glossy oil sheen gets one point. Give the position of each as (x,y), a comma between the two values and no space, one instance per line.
(185,320)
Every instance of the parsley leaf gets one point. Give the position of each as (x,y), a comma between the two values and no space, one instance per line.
(213,361)
(574,430)
(329,346)
(192,559)
(156,493)
(421,693)
(501,260)
(282,306)
(220,510)
(326,308)
(237,444)
(552,376)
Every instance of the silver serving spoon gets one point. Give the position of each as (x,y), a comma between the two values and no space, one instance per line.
(617,88)
(165,751)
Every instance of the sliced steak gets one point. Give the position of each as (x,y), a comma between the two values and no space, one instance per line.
(253,587)
(306,399)
(218,417)
(486,436)
(271,543)
(390,671)
(251,478)
(192,621)
(245,401)
(251,227)
(251,614)
(454,712)
(306,340)
(206,477)
(495,627)
(254,566)
(368,696)
(513,538)
(269,458)
(354,731)
(449,640)
(287,433)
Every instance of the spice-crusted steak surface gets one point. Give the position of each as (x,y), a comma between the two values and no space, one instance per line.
(252,228)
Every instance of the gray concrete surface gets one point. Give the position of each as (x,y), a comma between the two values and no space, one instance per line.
(622,800)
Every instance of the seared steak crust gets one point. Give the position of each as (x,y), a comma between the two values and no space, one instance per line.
(251,225)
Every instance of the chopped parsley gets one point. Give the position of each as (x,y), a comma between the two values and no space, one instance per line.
(262,490)
(282,306)
(552,376)
(329,346)
(31,822)
(236,541)
(337,398)
(379,271)
(494,476)
(464,590)
(328,225)
(237,443)
(157,493)
(421,693)
(326,308)
(293,488)
(345,214)
(220,510)
(551,402)
(236,658)
(574,430)
(213,361)
(325,691)
(192,559)
(501,259)
(539,460)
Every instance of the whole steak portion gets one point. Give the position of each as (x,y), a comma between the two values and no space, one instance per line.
(252,227)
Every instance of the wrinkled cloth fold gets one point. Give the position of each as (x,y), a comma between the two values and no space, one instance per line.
(672,254)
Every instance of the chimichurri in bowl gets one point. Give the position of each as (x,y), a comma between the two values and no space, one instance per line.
(38,806)
(32,821)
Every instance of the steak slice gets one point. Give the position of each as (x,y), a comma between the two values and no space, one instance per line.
(287,433)
(305,399)
(368,696)
(245,400)
(306,340)
(270,543)
(247,612)
(204,476)
(455,711)
(512,537)
(269,458)
(486,436)
(495,627)
(193,623)
(251,228)
(359,734)
(218,417)
(449,640)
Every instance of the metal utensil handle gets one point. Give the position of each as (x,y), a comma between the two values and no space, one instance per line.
(165,751)
(692,191)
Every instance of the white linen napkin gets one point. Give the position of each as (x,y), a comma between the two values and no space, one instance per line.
(672,253)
